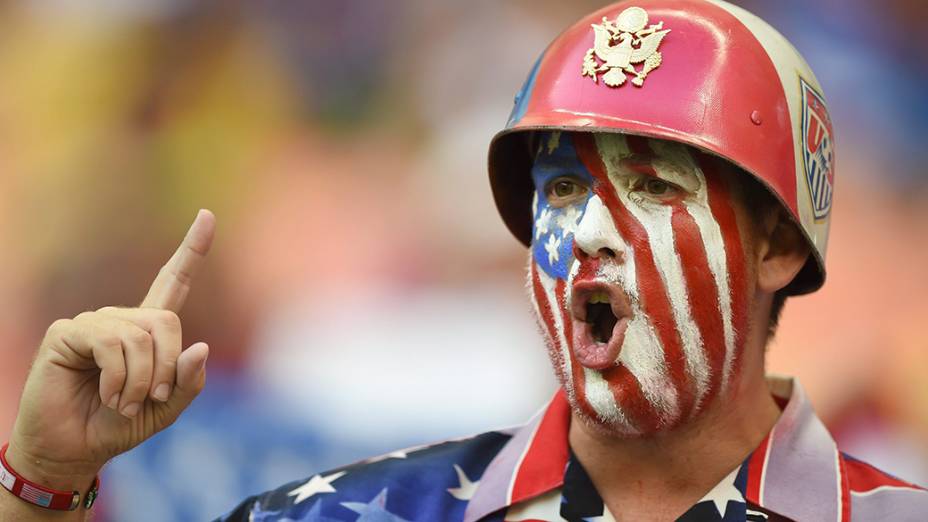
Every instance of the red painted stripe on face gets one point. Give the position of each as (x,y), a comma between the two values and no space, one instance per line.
(703,293)
(579,379)
(756,471)
(555,350)
(720,198)
(640,166)
(653,292)
(547,317)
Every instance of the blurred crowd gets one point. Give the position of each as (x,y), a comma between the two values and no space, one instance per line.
(362,293)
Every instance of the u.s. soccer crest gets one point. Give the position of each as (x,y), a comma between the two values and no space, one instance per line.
(818,150)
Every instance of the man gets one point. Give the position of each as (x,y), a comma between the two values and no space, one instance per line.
(670,165)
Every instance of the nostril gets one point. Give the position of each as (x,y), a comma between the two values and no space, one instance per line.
(607,252)
(579,253)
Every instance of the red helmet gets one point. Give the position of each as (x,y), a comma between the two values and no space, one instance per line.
(701,72)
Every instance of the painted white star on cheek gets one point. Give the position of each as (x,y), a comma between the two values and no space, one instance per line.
(724,492)
(551,247)
(317,484)
(567,220)
(543,223)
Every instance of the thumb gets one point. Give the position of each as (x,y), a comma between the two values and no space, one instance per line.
(191,375)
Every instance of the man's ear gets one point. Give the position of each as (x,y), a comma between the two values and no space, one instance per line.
(782,251)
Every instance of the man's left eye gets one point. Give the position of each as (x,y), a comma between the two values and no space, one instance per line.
(660,188)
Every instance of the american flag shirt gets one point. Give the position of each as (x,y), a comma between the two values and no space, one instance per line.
(530,474)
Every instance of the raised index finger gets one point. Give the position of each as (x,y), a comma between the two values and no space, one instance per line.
(171,286)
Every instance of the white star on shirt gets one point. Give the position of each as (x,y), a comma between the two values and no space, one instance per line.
(723,492)
(466,489)
(551,247)
(317,484)
(543,223)
(398,454)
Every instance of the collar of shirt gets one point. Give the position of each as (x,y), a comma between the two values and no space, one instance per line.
(796,471)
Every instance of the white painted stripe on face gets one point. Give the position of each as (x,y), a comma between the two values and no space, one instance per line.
(656,220)
(548,283)
(643,355)
(642,352)
(644,359)
(714,244)
(711,233)
(602,400)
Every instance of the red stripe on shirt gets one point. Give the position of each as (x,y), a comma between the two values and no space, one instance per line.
(863,477)
(542,468)
(756,471)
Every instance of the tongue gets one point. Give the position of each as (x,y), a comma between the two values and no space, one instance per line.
(596,355)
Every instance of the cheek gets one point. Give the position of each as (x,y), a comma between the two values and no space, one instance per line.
(553,238)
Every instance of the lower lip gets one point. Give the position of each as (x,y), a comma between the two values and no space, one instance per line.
(596,355)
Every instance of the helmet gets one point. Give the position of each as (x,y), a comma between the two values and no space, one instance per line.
(701,72)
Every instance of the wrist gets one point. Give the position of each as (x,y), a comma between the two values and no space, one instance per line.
(50,474)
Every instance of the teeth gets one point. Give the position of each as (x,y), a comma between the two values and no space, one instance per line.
(599,298)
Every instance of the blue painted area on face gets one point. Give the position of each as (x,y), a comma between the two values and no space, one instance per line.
(524,95)
(552,228)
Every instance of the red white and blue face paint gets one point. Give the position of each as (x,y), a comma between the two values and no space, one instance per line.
(637,274)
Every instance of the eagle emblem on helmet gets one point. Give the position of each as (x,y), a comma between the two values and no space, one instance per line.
(618,46)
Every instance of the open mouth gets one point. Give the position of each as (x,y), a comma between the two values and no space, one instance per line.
(600,316)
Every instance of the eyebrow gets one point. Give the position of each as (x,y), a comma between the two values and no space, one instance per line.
(641,164)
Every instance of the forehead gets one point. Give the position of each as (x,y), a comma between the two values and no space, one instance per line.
(623,156)
(554,147)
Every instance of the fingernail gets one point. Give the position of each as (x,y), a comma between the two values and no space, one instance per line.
(114,401)
(131,410)
(161,392)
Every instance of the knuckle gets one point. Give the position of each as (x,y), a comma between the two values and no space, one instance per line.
(139,386)
(168,364)
(108,340)
(168,319)
(116,374)
(60,326)
(141,339)
(84,316)
(108,309)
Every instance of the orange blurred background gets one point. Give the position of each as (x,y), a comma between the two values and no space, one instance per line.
(362,293)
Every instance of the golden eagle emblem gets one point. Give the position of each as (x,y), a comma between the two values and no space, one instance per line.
(619,45)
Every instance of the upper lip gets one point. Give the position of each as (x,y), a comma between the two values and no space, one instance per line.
(582,291)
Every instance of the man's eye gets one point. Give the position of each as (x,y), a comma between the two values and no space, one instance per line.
(660,188)
(564,191)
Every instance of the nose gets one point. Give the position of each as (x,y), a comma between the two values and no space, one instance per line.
(596,235)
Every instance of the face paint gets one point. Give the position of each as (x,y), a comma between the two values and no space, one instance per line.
(637,274)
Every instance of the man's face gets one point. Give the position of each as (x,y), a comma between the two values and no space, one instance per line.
(637,274)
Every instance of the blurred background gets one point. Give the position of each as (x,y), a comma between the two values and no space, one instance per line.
(362,294)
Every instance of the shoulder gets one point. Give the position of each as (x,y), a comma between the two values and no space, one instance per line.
(877,495)
(434,481)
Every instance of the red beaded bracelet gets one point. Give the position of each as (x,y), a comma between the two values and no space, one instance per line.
(42,496)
